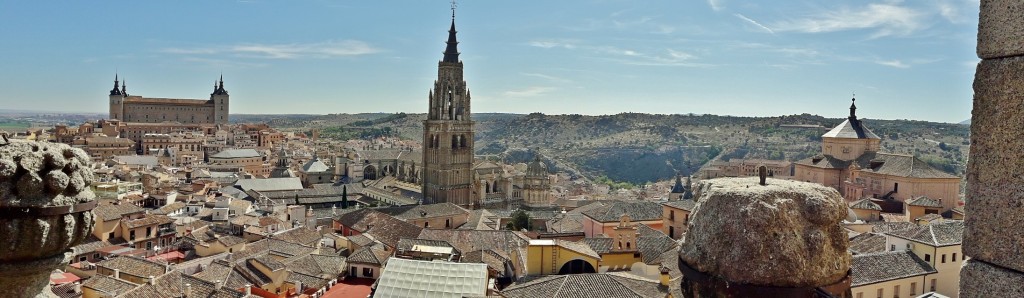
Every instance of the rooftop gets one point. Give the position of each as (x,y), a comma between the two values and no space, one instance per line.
(885,266)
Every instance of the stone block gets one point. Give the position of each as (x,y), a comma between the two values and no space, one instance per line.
(995,171)
(980,279)
(783,234)
(1001,29)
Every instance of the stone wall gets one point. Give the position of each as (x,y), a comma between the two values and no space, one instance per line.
(994,232)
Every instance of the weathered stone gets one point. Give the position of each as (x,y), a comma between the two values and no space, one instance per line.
(995,171)
(980,279)
(783,234)
(35,175)
(1000,30)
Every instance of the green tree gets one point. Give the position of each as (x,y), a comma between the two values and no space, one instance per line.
(344,196)
(520,220)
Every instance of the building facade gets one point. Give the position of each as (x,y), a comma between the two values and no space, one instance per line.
(134,108)
(448,134)
(850,163)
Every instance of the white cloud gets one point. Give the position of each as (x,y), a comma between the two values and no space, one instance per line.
(547,44)
(529,92)
(885,19)
(547,77)
(893,63)
(755,23)
(716,5)
(327,49)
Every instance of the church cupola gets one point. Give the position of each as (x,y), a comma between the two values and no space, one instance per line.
(853,108)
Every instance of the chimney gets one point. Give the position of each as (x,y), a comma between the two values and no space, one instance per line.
(152,280)
(117,273)
(248,289)
(188,290)
(664,276)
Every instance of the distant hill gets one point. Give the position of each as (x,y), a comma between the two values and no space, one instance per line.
(966,122)
(639,148)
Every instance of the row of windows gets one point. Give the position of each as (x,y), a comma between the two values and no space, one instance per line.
(880,293)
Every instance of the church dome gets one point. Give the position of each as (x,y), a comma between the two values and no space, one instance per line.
(537,168)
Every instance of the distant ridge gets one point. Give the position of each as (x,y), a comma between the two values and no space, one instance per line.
(965,122)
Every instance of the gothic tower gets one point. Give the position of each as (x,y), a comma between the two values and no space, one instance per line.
(448,134)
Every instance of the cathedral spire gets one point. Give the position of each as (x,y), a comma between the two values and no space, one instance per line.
(451,53)
(124,87)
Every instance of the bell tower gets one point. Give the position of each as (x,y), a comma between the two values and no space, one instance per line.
(448,133)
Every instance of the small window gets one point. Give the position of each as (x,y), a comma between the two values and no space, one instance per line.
(943,258)
(954,257)
(927,257)
(913,288)
(896,291)
(881,292)
(892,247)
(671,215)
(368,272)
(933,285)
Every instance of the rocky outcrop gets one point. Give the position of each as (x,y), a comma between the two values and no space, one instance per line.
(44,210)
(782,234)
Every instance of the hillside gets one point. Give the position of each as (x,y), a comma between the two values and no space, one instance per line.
(641,148)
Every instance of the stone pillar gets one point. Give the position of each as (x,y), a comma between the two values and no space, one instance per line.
(751,237)
(994,222)
(45,204)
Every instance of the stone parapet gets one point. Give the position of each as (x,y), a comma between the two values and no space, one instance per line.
(980,279)
(779,233)
(45,204)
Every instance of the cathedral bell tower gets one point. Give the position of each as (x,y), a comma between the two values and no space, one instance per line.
(448,133)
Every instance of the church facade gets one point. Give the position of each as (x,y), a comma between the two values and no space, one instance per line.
(851,163)
(448,134)
(138,109)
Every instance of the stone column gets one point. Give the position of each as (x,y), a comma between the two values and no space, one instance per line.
(994,223)
(751,237)
(45,204)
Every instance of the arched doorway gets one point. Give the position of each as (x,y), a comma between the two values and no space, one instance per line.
(370,172)
(576,266)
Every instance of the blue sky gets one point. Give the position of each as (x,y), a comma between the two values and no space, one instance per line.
(904,60)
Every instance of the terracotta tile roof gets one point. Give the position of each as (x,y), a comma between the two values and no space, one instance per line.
(90,244)
(362,240)
(938,234)
(565,223)
(924,201)
(885,227)
(899,165)
(300,235)
(867,243)
(865,204)
(579,247)
(309,281)
(318,265)
(406,244)
(112,212)
(885,266)
(637,211)
(148,220)
(170,208)
(600,245)
(66,291)
(382,227)
(373,255)
(652,243)
(424,211)
(584,285)
(681,204)
(229,240)
(135,266)
(494,260)
(268,262)
(103,283)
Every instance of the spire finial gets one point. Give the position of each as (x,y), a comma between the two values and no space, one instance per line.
(853,106)
(454,5)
